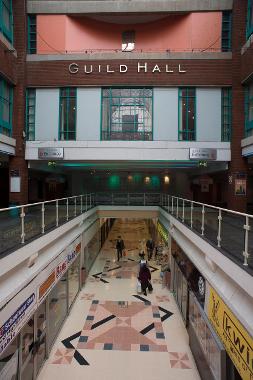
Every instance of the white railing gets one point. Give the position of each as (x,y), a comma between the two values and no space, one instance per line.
(227,229)
(230,231)
(19,224)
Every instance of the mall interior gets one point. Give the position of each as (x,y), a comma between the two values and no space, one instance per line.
(126,121)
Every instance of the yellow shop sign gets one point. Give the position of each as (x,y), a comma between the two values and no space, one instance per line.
(236,339)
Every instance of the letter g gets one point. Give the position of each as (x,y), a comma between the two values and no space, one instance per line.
(73,68)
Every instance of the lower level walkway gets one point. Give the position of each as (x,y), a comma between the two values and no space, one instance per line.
(114,333)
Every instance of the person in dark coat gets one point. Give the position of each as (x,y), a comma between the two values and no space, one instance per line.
(150,247)
(120,246)
(144,278)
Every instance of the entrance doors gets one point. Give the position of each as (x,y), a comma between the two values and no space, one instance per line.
(33,344)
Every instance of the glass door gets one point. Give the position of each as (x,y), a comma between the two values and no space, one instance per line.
(33,344)
(27,346)
(40,336)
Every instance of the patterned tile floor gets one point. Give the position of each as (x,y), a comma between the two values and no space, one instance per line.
(114,333)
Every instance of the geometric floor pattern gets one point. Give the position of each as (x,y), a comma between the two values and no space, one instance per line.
(114,333)
(117,325)
(114,325)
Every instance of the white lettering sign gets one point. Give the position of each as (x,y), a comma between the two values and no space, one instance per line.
(141,67)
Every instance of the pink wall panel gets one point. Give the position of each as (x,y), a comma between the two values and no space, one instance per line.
(51,34)
(197,31)
(206,30)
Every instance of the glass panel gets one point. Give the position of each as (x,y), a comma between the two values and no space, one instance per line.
(9,361)
(57,308)
(6,18)
(6,112)
(179,288)
(41,335)
(68,114)
(232,235)
(27,350)
(73,281)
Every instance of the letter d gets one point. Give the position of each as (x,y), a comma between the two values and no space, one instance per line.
(123,68)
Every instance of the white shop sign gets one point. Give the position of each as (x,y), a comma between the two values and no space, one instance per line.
(203,154)
(50,153)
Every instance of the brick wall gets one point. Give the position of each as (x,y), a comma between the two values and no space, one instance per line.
(7,64)
(18,162)
(238,163)
(198,73)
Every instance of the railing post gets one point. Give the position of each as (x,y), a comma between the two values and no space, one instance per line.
(67,204)
(203,221)
(112,198)
(81,204)
(172,205)
(90,201)
(177,207)
(191,214)
(57,213)
(86,202)
(144,199)
(183,212)
(128,202)
(246,241)
(43,218)
(75,207)
(219,228)
(168,203)
(22,216)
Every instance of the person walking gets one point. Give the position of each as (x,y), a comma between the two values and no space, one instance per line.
(150,247)
(120,246)
(144,278)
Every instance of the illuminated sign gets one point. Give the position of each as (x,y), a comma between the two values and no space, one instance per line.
(162,231)
(236,339)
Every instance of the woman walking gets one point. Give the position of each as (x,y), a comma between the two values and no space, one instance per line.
(144,278)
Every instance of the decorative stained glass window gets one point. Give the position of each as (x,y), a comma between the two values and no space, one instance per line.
(127,114)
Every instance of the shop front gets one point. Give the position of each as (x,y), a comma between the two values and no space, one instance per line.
(194,300)
(29,330)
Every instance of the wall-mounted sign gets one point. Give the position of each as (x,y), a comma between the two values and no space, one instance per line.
(162,231)
(236,339)
(203,154)
(240,186)
(14,321)
(141,67)
(50,153)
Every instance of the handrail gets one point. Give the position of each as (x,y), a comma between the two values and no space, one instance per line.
(216,227)
(215,207)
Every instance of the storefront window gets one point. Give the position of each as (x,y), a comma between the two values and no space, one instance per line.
(73,280)
(92,250)
(41,335)
(9,361)
(27,350)
(212,349)
(57,308)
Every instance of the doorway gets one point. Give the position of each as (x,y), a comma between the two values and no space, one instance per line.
(33,344)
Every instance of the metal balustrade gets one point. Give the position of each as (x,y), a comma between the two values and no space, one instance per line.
(229,231)
(20,224)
